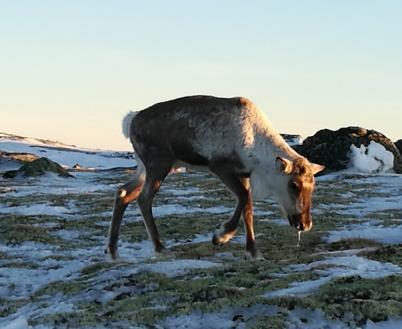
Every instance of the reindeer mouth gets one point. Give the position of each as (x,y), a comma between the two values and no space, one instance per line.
(297,222)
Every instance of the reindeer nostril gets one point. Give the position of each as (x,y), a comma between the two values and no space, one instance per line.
(300,227)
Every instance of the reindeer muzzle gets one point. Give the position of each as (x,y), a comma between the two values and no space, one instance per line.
(301,222)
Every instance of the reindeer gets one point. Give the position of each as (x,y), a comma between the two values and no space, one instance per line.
(234,140)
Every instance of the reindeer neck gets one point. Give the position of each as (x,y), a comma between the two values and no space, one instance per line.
(270,144)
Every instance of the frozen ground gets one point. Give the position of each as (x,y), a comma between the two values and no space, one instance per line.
(54,274)
(66,155)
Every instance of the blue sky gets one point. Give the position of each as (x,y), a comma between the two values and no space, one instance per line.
(70,70)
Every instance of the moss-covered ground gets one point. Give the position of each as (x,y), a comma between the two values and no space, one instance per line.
(53,271)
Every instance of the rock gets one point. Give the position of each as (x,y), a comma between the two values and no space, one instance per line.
(19,157)
(292,139)
(38,167)
(398,144)
(332,148)
(14,160)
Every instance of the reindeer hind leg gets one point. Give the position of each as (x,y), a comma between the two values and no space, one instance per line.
(157,170)
(124,195)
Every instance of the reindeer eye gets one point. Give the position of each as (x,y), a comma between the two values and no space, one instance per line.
(294,186)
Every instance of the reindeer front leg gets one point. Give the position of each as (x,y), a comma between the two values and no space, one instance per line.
(230,179)
(240,186)
(251,249)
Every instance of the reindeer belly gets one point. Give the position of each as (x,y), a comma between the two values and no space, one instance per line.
(208,154)
(185,152)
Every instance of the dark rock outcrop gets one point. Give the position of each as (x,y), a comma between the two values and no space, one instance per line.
(331,148)
(38,167)
(14,160)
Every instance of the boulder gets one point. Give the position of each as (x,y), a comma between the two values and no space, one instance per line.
(398,144)
(292,139)
(38,167)
(333,148)
(18,157)
(14,160)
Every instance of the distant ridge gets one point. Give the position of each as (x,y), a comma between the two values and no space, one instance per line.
(15,149)
(30,140)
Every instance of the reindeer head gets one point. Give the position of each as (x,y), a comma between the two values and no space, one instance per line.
(296,189)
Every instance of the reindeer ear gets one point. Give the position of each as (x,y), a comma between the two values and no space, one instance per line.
(284,165)
(316,168)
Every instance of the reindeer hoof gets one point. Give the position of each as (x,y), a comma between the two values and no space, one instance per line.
(221,238)
(112,252)
(216,240)
(164,253)
(254,254)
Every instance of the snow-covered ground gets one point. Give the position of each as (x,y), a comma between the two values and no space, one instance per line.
(335,267)
(53,272)
(66,155)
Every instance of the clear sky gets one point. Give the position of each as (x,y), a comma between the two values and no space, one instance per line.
(70,70)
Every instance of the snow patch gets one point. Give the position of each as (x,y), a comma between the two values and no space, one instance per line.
(19,323)
(371,159)
(389,324)
(20,282)
(306,319)
(385,235)
(184,192)
(297,140)
(178,266)
(338,267)
(37,209)
(53,184)
(174,209)
(229,318)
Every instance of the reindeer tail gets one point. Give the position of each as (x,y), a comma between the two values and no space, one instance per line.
(126,124)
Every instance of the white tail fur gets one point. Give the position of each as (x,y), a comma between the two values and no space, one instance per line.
(126,124)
